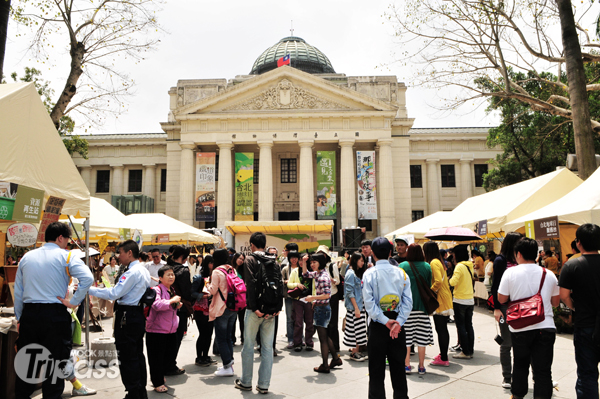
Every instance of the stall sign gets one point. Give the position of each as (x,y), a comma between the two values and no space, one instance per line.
(205,186)
(365,176)
(244,186)
(160,238)
(19,202)
(102,244)
(482,228)
(326,196)
(52,212)
(125,234)
(22,234)
(542,229)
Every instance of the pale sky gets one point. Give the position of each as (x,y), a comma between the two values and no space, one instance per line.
(222,39)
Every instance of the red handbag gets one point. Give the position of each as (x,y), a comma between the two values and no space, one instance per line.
(528,311)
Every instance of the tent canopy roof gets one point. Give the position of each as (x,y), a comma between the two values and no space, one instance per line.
(420,227)
(105,220)
(157,223)
(580,206)
(33,152)
(281,227)
(511,202)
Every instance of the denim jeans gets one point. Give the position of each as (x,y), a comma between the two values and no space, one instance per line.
(463,318)
(252,325)
(587,356)
(289,318)
(535,348)
(224,325)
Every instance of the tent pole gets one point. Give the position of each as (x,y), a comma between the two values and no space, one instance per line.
(86,228)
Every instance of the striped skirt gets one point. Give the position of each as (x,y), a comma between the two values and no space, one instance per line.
(356,330)
(418,329)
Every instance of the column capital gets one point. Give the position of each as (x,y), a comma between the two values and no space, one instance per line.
(346,143)
(306,143)
(385,142)
(149,165)
(188,145)
(432,161)
(224,145)
(85,166)
(265,143)
(466,160)
(117,166)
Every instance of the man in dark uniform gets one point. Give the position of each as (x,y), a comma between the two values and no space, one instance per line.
(130,323)
(41,309)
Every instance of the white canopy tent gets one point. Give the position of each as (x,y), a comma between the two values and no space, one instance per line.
(420,227)
(105,220)
(33,152)
(580,206)
(153,224)
(511,202)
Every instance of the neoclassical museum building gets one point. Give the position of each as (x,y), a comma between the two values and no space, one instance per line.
(285,120)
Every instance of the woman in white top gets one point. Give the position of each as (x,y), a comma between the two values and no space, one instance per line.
(533,345)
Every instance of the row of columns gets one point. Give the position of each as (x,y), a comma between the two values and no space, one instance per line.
(433,183)
(347,195)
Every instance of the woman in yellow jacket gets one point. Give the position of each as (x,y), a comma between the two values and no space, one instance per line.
(462,281)
(439,284)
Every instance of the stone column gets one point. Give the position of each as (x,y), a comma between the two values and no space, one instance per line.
(150,181)
(433,184)
(385,186)
(117,180)
(225,188)
(307,181)
(466,185)
(86,175)
(265,181)
(186,183)
(347,196)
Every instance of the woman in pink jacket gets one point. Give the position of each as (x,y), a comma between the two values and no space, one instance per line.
(161,326)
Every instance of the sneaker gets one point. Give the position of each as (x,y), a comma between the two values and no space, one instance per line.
(298,348)
(357,357)
(408,369)
(202,363)
(290,346)
(210,360)
(462,355)
(83,391)
(224,372)
(309,348)
(262,390)
(437,361)
(422,370)
(506,383)
(238,385)
(456,348)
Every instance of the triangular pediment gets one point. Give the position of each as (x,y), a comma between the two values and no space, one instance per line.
(285,89)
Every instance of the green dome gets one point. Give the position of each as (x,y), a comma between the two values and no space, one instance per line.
(304,57)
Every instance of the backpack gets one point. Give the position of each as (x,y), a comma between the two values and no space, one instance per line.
(269,286)
(236,290)
(147,300)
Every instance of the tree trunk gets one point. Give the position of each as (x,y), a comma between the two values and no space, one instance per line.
(4,15)
(77,53)
(582,126)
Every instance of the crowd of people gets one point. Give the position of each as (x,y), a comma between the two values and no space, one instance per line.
(390,302)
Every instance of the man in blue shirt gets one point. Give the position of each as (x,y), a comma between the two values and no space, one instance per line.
(41,308)
(388,301)
(130,323)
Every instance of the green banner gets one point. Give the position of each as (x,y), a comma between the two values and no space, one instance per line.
(244,186)
(27,205)
(326,196)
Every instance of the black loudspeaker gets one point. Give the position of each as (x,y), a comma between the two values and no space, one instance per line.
(353,237)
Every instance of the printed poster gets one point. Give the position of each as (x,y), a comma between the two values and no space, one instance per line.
(244,186)
(205,186)
(367,199)
(52,212)
(326,196)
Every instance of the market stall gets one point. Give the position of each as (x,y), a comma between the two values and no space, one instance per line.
(419,228)
(158,228)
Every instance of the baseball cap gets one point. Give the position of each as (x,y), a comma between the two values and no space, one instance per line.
(404,240)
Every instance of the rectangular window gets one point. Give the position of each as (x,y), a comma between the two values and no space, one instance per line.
(289,171)
(103,181)
(416,215)
(367,224)
(416,180)
(448,176)
(135,181)
(163,180)
(255,174)
(480,170)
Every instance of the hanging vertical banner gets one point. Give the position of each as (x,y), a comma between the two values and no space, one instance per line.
(326,196)
(205,186)
(367,199)
(244,186)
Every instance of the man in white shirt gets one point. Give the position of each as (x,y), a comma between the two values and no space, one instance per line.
(534,344)
(154,265)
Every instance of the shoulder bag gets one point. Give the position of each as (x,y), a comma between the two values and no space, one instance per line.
(428,296)
(528,311)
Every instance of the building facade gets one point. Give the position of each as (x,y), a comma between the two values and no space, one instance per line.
(284,116)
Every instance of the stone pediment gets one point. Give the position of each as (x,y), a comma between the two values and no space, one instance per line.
(285,96)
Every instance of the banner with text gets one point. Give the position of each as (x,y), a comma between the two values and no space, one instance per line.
(367,198)
(205,186)
(244,186)
(543,229)
(326,196)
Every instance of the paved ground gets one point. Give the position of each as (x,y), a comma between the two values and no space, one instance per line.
(293,376)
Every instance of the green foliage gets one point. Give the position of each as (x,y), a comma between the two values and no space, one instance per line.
(73,143)
(533,142)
